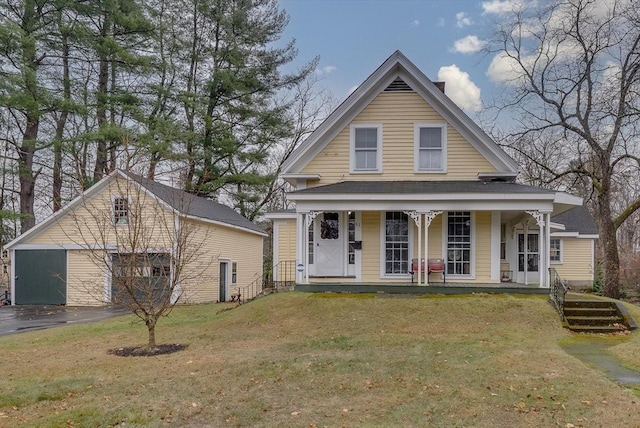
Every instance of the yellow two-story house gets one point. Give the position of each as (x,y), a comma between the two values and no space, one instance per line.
(398,174)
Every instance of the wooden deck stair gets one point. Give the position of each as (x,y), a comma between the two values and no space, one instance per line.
(597,316)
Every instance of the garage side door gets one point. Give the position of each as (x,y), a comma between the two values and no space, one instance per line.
(41,277)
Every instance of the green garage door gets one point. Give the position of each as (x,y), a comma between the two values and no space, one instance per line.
(41,277)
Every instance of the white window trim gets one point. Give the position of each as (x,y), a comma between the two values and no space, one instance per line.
(557,262)
(234,281)
(352,149)
(383,234)
(445,231)
(113,210)
(416,147)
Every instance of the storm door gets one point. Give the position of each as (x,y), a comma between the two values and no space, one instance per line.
(528,257)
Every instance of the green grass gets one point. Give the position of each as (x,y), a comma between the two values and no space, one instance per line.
(300,360)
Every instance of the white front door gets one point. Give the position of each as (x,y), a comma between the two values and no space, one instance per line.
(329,254)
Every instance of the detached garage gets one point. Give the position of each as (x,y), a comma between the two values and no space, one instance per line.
(129,229)
(40,277)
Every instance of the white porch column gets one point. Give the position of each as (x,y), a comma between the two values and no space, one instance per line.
(496,218)
(543,253)
(547,248)
(525,255)
(300,241)
(309,217)
(428,218)
(417,219)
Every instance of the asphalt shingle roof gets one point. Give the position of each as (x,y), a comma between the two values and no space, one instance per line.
(577,219)
(419,187)
(193,205)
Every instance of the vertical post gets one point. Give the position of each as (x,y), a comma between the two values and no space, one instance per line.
(548,248)
(426,249)
(525,255)
(300,226)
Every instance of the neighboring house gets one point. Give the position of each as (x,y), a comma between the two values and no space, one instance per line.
(398,172)
(55,263)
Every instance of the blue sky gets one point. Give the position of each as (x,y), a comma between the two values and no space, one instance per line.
(442,37)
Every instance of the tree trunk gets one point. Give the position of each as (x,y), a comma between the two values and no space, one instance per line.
(609,247)
(151,327)
(101,101)
(60,126)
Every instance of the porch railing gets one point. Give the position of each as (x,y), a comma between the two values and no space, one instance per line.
(282,277)
(557,291)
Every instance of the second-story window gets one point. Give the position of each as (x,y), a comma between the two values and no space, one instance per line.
(366,148)
(120,210)
(430,145)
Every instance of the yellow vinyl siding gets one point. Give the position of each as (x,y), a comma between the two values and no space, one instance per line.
(483,247)
(216,244)
(371,246)
(576,260)
(86,279)
(92,222)
(398,113)
(286,240)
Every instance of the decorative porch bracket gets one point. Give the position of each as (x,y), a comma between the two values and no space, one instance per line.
(415,216)
(311,215)
(538,216)
(429,216)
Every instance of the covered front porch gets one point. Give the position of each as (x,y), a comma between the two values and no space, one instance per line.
(490,235)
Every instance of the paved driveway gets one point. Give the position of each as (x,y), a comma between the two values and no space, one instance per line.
(20,319)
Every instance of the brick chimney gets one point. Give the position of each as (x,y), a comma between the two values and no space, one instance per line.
(440,85)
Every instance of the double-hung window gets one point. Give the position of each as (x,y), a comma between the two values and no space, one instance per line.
(555,254)
(430,147)
(459,243)
(396,243)
(366,148)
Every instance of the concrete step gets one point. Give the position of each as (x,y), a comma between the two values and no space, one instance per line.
(596,312)
(597,328)
(594,320)
(588,303)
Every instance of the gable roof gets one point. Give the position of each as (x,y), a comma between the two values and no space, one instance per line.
(397,66)
(182,202)
(577,219)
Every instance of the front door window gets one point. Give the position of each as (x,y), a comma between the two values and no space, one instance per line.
(330,226)
(532,252)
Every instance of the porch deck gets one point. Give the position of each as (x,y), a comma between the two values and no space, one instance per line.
(432,288)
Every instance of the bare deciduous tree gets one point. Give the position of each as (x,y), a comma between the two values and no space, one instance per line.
(573,70)
(146,247)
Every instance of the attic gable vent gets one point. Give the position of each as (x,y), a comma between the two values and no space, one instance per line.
(398,85)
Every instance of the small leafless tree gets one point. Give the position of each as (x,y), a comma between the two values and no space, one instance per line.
(145,247)
(572,69)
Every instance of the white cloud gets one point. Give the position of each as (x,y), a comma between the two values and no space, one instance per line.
(503,69)
(414,23)
(460,88)
(499,7)
(468,45)
(462,20)
(440,22)
(327,69)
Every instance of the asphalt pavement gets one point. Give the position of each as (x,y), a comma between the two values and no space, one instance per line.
(23,318)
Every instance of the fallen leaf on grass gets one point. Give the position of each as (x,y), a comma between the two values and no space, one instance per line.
(295,413)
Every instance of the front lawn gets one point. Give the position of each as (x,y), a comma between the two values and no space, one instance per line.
(301,360)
